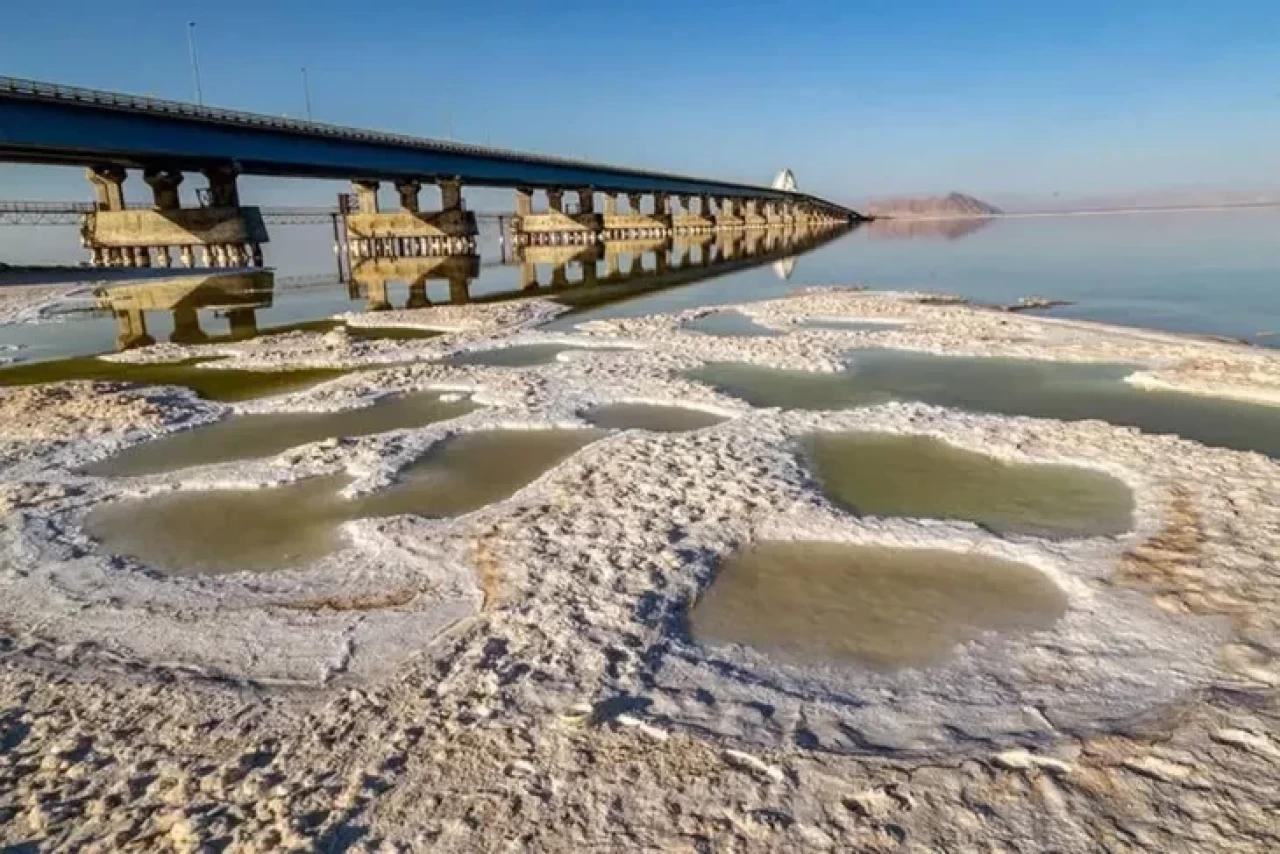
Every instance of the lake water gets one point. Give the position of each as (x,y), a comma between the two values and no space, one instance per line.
(1212,272)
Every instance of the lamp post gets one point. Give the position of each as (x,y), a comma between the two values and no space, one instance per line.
(195,64)
(306,92)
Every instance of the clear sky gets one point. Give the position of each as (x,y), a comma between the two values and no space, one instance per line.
(1004,99)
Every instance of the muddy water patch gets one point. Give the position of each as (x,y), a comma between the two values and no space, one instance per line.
(1067,392)
(212,383)
(729,324)
(878,607)
(213,531)
(198,532)
(657,418)
(918,476)
(242,437)
(468,471)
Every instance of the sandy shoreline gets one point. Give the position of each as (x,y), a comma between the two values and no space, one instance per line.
(519,677)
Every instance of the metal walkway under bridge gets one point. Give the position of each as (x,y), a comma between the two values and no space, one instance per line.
(54,124)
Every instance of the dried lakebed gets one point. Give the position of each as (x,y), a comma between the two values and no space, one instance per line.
(521,675)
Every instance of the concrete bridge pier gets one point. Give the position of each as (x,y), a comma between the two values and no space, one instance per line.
(685,221)
(556,227)
(728,218)
(636,224)
(410,232)
(118,236)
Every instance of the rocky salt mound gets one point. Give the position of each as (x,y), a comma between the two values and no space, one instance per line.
(950,205)
(520,676)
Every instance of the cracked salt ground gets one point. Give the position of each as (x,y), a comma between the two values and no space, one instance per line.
(1155,687)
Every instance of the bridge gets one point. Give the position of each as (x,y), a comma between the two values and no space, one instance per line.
(111,133)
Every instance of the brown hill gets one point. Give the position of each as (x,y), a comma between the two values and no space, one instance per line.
(950,205)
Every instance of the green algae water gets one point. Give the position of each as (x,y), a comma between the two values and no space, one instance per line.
(917,476)
(878,607)
(732,324)
(652,417)
(195,532)
(224,384)
(1042,389)
(242,437)
(468,471)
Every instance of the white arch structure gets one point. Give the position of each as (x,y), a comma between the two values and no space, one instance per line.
(785,180)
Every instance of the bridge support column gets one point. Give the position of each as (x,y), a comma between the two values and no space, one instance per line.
(223,190)
(108,187)
(610,204)
(450,194)
(586,200)
(524,201)
(408,191)
(366,196)
(164,185)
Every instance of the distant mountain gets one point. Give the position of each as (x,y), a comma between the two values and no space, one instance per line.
(950,205)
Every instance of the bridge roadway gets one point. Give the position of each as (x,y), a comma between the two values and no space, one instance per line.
(111,133)
(54,124)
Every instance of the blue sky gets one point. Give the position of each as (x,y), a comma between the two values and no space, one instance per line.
(1002,99)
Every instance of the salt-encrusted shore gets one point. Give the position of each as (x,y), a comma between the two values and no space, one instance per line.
(520,678)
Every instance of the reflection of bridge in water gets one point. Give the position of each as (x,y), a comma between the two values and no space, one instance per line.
(582,276)
(594,273)
(239,295)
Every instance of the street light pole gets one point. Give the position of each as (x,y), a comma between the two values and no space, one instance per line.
(306,92)
(195,64)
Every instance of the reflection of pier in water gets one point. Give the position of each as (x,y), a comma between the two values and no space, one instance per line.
(581,275)
(239,295)
(370,277)
(616,269)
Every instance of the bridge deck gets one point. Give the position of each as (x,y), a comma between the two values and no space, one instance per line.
(54,124)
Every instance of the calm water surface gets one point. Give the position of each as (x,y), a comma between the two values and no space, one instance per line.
(1213,273)
(883,608)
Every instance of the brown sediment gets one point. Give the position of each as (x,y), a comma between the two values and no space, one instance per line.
(1171,565)
(368,602)
(75,410)
(488,567)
